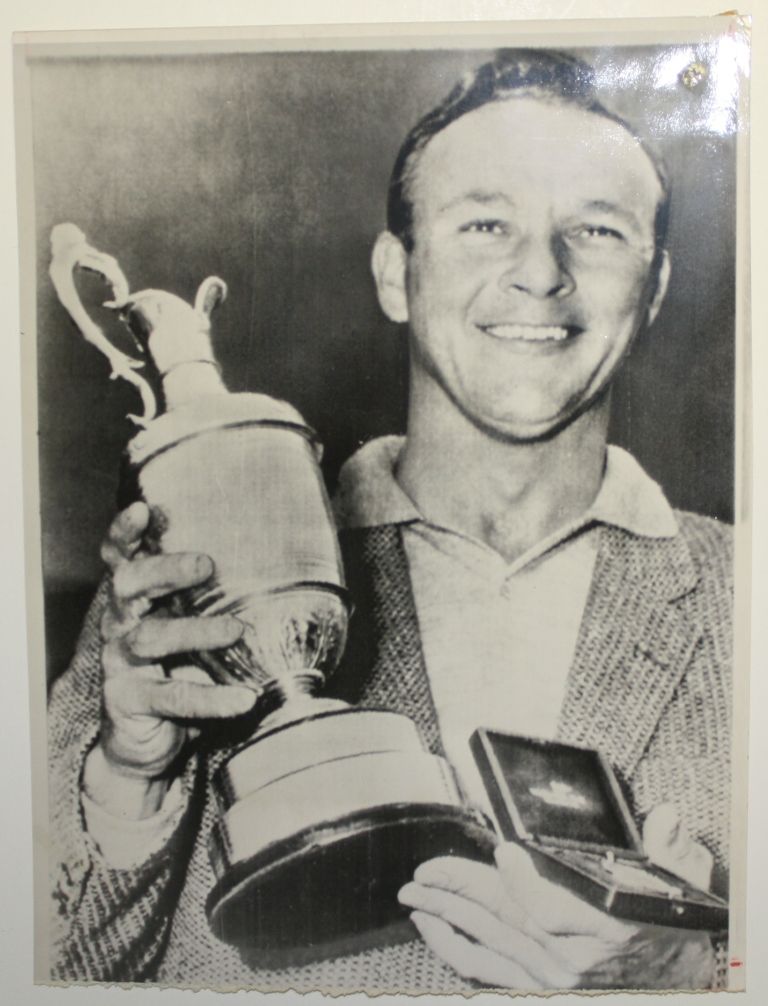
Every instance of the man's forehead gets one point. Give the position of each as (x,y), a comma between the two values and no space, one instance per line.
(554,140)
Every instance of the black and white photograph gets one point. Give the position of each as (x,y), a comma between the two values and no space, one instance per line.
(385,414)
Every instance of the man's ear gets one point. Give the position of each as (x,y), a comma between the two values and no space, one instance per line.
(662,282)
(388,263)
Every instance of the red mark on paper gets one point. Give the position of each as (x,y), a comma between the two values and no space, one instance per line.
(735,963)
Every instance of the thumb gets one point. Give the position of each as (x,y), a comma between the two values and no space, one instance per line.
(668,844)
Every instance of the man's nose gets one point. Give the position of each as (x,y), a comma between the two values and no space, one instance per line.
(537,266)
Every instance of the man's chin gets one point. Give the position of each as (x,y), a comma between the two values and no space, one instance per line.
(532,429)
(518,429)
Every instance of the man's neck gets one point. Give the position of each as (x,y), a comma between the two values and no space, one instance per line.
(509,495)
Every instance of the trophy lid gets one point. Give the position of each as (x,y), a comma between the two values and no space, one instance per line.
(211,412)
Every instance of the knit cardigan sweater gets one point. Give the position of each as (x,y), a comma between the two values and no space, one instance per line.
(649,685)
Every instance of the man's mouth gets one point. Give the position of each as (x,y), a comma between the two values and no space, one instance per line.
(530,333)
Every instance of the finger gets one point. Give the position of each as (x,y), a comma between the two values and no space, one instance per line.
(556,909)
(125,534)
(155,638)
(469,959)
(668,844)
(178,700)
(479,882)
(118,618)
(158,575)
(189,672)
(663,826)
(195,675)
(489,931)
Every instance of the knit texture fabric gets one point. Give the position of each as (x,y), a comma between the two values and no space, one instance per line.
(649,685)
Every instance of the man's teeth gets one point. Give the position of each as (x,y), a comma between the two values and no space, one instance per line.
(528,333)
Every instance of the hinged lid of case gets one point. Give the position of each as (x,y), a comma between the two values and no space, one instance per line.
(558,794)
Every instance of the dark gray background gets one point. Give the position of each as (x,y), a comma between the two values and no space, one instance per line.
(271,171)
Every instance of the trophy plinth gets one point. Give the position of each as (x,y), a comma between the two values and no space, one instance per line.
(326,812)
(322,822)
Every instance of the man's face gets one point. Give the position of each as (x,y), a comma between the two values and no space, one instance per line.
(531,268)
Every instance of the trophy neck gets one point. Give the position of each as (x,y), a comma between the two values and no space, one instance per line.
(293,697)
(190,380)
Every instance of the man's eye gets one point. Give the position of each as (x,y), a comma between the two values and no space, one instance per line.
(598,232)
(497,228)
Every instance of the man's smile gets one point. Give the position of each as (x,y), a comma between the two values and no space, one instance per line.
(517,332)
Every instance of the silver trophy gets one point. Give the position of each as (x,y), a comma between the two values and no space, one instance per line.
(326,809)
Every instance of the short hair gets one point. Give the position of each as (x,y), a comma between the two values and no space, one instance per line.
(546,75)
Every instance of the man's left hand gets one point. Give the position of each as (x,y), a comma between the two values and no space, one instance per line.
(509,927)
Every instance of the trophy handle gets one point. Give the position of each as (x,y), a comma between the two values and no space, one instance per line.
(70,250)
(211,292)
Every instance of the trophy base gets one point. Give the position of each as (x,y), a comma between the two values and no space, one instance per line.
(323,821)
(332,891)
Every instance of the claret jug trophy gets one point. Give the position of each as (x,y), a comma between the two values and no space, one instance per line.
(325,810)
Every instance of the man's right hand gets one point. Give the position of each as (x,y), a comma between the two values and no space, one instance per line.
(148,714)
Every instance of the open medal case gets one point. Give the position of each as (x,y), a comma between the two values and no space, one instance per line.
(564,805)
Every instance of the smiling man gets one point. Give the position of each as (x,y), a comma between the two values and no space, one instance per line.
(511,571)
(533,265)
(525,251)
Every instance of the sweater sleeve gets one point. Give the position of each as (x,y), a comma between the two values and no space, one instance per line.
(107,924)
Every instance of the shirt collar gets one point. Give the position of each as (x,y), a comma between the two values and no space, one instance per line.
(369,495)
